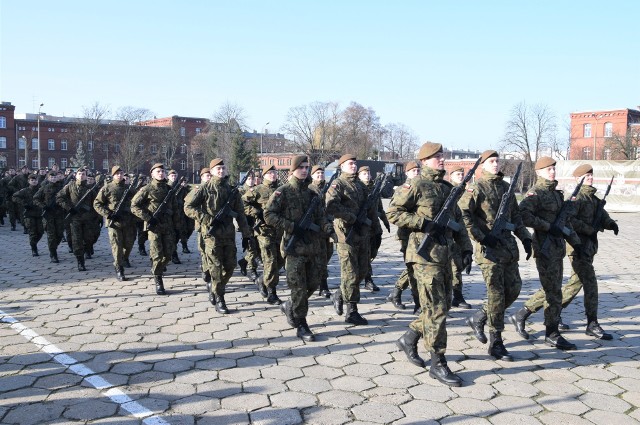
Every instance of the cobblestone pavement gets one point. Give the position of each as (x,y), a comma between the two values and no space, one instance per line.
(85,348)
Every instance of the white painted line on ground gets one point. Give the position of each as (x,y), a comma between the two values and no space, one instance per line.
(98,382)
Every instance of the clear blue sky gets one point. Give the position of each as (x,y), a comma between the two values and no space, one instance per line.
(451,71)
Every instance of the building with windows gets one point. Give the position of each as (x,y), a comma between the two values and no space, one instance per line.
(595,134)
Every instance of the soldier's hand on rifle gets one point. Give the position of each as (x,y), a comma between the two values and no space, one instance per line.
(555,231)
(490,241)
(113,217)
(432,228)
(527,247)
(249,243)
(467,259)
(153,222)
(614,227)
(298,231)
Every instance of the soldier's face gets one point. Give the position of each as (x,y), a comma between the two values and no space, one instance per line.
(218,171)
(302,171)
(118,176)
(33,182)
(81,175)
(205,177)
(173,177)
(492,165)
(364,176)
(349,166)
(413,172)
(272,175)
(436,161)
(456,177)
(318,176)
(548,173)
(588,179)
(158,174)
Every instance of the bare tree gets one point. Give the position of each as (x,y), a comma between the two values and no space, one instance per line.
(131,139)
(360,128)
(226,122)
(89,126)
(400,141)
(625,147)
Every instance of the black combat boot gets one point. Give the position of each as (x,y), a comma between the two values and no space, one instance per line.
(87,255)
(273,297)
(440,371)
(64,239)
(409,344)
(338,302)
(477,322)
(81,267)
(395,298)
(221,306)
(142,251)
(127,263)
(518,319)
(259,281)
(417,308)
(253,274)
(185,248)
(53,255)
(13,227)
(25,231)
(562,326)
(159,285)
(368,284)
(1,220)
(70,248)
(175,259)
(553,338)
(595,330)
(303,332)
(286,308)
(353,316)
(243,266)
(496,347)
(34,250)
(458,300)
(120,273)
(323,290)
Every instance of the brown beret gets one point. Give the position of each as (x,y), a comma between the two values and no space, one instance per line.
(455,170)
(205,170)
(411,165)
(316,168)
(32,177)
(582,170)
(487,154)
(215,162)
(156,165)
(429,149)
(267,168)
(115,169)
(297,160)
(172,172)
(346,157)
(364,168)
(544,162)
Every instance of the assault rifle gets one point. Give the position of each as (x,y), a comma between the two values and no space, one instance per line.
(116,210)
(597,219)
(306,223)
(561,221)
(226,209)
(165,201)
(500,224)
(95,186)
(443,218)
(372,199)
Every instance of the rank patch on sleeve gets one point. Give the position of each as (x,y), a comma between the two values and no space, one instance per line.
(470,189)
(406,186)
(277,193)
(530,193)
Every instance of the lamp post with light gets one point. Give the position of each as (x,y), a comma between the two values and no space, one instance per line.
(39,112)
(262,138)
(24,141)
(595,128)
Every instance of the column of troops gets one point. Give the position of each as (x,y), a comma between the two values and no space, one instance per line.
(442,227)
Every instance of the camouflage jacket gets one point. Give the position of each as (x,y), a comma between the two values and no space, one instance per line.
(70,195)
(147,201)
(108,199)
(586,206)
(376,228)
(255,201)
(45,198)
(24,198)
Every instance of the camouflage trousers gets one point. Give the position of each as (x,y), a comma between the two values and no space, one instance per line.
(328,252)
(202,249)
(374,246)
(54,226)
(406,278)
(12,210)
(550,295)
(583,276)
(435,291)
(220,261)
(67,231)
(303,279)
(272,260)
(354,265)
(141,234)
(456,268)
(35,228)
(121,240)
(503,287)
(82,236)
(161,244)
(251,255)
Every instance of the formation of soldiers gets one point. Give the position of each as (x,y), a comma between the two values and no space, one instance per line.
(442,226)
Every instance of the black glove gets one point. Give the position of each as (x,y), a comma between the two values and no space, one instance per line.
(153,222)
(73,211)
(298,231)
(113,217)
(245,244)
(556,231)
(467,259)
(614,227)
(527,247)
(490,241)
(252,244)
(432,228)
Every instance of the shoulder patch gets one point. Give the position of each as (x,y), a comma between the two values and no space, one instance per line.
(334,185)
(530,193)
(406,186)
(277,193)
(470,189)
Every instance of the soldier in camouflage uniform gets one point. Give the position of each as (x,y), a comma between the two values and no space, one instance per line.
(162,242)
(480,205)
(539,209)
(19,182)
(179,226)
(219,234)
(407,278)
(45,198)
(455,177)
(344,200)
(250,258)
(4,194)
(82,214)
(305,260)
(205,176)
(318,183)
(583,273)
(269,237)
(95,182)
(142,236)
(414,207)
(10,206)
(32,214)
(120,224)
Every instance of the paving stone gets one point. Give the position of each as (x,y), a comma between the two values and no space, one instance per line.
(514,404)
(605,402)
(245,402)
(219,389)
(309,385)
(465,420)
(91,409)
(562,404)
(395,381)
(558,388)
(432,393)
(340,399)
(270,416)
(632,398)
(363,370)
(516,389)
(471,407)
(325,416)
(264,386)
(553,418)
(283,373)
(225,417)
(33,414)
(14,382)
(510,418)
(352,383)
(293,399)
(628,384)
(425,409)
(322,372)
(377,412)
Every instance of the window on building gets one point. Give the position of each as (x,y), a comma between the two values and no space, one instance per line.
(587,130)
(183,131)
(51,143)
(198,130)
(164,148)
(51,130)
(63,144)
(271,162)
(105,164)
(3,122)
(140,148)
(117,148)
(607,153)
(154,149)
(608,129)
(51,162)
(92,164)
(34,163)
(183,149)
(586,153)
(21,142)
(3,142)
(34,143)
(90,146)
(63,163)
(3,161)
(21,162)
(183,164)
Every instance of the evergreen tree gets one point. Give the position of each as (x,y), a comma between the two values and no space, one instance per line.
(80,159)
(241,157)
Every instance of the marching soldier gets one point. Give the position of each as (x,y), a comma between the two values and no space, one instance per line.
(180,225)
(480,205)
(455,177)
(94,182)
(539,210)
(32,214)
(19,182)
(146,206)
(317,184)
(415,207)
(305,259)
(250,258)
(205,176)
(53,214)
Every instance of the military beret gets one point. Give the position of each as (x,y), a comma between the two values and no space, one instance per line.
(346,157)
(297,160)
(364,168)
(544,162)
(429,149)
(215,162)
(205,170)
(411,165)
(172,172)
(455,170)
(115,169)
(316,168)
(32,177)
(487,154)
(582,170)
(156,165)
(52,173)
(267,168)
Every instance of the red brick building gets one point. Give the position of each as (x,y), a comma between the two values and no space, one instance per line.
(592,132)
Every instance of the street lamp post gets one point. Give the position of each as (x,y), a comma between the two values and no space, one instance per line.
(24,140)
(262,137)
(39,112)
(595,128)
